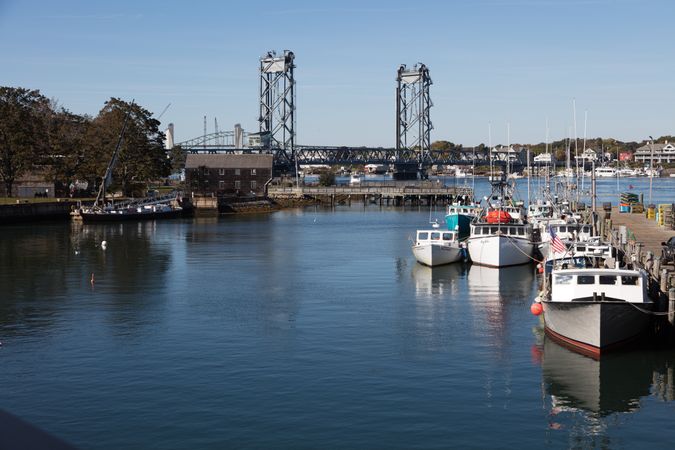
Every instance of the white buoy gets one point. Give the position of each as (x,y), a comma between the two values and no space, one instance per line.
(104,244)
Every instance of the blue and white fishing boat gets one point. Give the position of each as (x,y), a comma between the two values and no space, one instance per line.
(459,218)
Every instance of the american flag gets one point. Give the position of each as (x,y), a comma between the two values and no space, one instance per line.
(555,242)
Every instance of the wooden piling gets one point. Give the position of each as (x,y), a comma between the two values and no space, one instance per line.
(664,280)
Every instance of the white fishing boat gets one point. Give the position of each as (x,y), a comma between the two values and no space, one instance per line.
(592,305)
(605,172)
(436,247)
(355,178)
(500,237)
(567,230)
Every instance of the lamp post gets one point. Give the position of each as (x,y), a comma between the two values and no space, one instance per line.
(651,168)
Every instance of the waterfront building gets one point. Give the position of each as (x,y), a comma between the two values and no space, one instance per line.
(663,153)
(588,155)
(228,175)
(504,153)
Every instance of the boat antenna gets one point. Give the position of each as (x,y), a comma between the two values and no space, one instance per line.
(107,178)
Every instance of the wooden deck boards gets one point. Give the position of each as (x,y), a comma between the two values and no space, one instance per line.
(646,231)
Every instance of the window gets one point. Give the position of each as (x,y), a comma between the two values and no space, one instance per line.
(254,185)
(485,230)
(521,232)
(206,171)
(447,236)
(563,279)
(237,184)
(221,185)
(435,236)
(493,230)
(237,172)
(252,171)
(628,280)
(607,279)
(586,279)
(422,236)
(221,172)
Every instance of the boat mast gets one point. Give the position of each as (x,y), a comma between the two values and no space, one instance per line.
(107,177)
(583,155)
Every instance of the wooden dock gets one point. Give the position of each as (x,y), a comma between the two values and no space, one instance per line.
(645,231)
(398,193)
(640,239)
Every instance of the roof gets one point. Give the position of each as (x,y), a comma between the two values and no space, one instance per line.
(218,161)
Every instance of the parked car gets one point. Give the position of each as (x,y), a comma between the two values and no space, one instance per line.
(668,250)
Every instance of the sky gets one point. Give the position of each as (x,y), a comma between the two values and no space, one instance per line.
(495,64)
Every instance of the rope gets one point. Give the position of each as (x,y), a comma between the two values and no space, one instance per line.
(518,248)
(646,311)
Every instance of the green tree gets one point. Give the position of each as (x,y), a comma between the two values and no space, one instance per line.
(66,134)
(141,157)
(22,132)
(177,156)
(327,179)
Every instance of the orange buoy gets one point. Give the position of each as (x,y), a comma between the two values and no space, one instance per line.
(536,308)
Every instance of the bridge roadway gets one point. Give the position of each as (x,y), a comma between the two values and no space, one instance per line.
(361,155)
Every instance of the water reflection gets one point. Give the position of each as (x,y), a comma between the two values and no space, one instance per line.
(47,270)
(438,281)
(493,291)
(585,391)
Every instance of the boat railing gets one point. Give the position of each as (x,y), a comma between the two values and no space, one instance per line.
(147,201)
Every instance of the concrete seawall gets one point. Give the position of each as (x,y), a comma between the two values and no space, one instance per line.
(33,212)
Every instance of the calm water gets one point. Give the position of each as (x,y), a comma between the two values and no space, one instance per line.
(298,329)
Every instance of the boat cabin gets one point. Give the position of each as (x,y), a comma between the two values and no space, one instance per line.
(571,285)
(435,236)
(538,211)
(515,230)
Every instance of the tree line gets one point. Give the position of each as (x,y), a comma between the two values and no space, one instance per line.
(37,135)
(559,147)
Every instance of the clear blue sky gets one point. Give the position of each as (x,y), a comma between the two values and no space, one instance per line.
(491,61)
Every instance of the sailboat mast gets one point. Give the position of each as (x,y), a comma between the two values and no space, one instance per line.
(107,177)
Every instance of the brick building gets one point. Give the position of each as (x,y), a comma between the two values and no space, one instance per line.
(228,175)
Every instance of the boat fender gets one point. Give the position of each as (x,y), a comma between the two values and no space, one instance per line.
(536,308)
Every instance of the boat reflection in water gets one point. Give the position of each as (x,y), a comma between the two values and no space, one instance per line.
(441,281)
(493,293)
(586,391)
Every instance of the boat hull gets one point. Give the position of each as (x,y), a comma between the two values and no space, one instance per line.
(436,255)
(595,326)
(500,251)
(89,217)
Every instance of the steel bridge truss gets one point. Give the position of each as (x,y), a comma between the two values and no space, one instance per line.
(215,142)
(277,104)
(364,155)
(413,106)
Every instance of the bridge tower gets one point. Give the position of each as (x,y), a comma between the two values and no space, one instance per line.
(413,122)
(277,106)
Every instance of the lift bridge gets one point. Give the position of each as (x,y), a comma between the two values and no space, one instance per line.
(412,154)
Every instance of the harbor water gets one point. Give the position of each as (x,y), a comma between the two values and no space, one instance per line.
(305,328)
